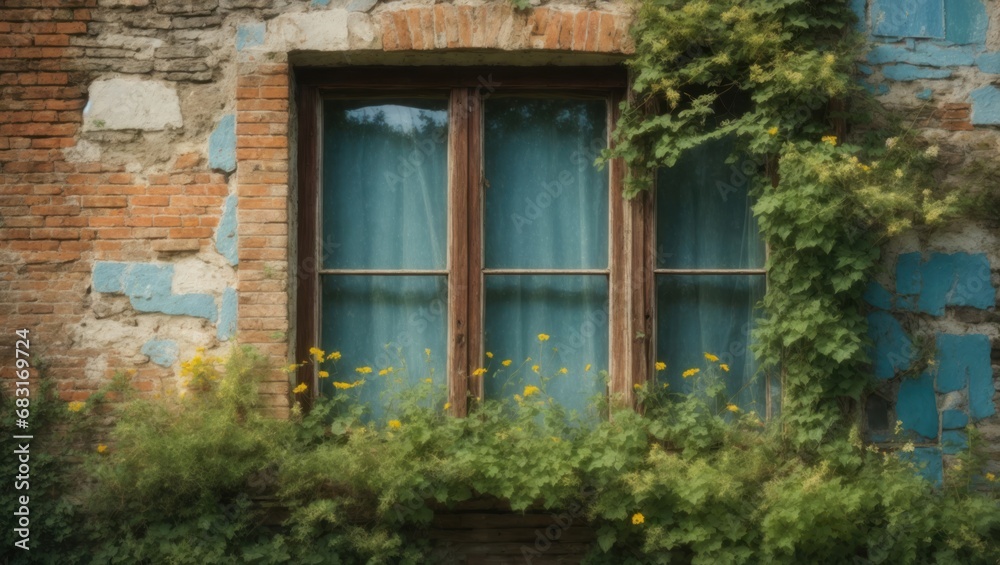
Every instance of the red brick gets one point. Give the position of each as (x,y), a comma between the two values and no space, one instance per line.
(187,161)
(105,201)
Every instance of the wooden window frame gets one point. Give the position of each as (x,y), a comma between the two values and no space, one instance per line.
(630,268)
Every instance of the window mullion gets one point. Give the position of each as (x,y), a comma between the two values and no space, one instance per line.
(458,251)
(475,255)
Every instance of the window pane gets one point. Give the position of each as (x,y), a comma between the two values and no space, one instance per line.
(573,311)
(385,184)
(710,314)
(703,213)
(382,322)
(545,204)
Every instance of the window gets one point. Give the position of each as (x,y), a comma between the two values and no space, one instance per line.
(458,211)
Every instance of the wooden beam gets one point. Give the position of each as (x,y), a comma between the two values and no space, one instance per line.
(458,252)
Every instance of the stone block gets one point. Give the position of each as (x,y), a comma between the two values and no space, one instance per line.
(916,406)
(189,51)
(909,73)
(929,463)
(163,352)
(986,106)
(954,419)
(965,21)
(908,18)
(227,315)
(226,233)
(186,7)
(954,442)
(132,103)
(893,351)
(250,35)
(222,145)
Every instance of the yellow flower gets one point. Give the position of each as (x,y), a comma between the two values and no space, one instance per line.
(543,337)
(300,389)
(534,368)
(341,386)
(335,356)
(690,373)
(638,518)
(489,355)
(288,369)
(101,448)
(318,354)
(898,173)
(530,390)
(428,380)
(364,370)
(395,424)
(660,365)
(732,408)
(427,352)
(724,367)
(587,368)
(75,406)
(447,405)
(506,362)
(637,386)
(563,371)
(323,374)
(865,167)
(711,358)
(773,131)
(518,398)
(479,372)
(991,477)
(831,139)
(383,372)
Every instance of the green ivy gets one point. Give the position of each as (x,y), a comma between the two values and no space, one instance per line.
(768,74)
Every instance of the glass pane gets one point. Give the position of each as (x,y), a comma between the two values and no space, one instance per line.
(381,322)
(703,212)
(572,311)
(545,204)
(385,184)
(710,314)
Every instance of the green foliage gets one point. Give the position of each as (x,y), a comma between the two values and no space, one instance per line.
(206,478)
(766,74)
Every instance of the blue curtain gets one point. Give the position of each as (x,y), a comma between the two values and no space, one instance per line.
(546,207)
(384,206)
(704,221)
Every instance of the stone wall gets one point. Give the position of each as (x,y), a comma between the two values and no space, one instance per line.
(934,321)
(145,162)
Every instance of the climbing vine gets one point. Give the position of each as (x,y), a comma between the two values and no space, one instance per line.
(777,76)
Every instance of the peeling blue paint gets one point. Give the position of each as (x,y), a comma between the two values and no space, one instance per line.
(250,35)
(858,7)
(878,296)
(946,279)
(928,462)
(893,350)
(989,63)
(161,351)
(954,419)
(953,442)
(966,21)
(977,349)
(866,70)
(924,54)
(908,18)
(222,145)
(226,235)
(148,288)
(875,89)
(907,73)
(320,3)
(227,315)
(925,94)
(916,406)
(986,106)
